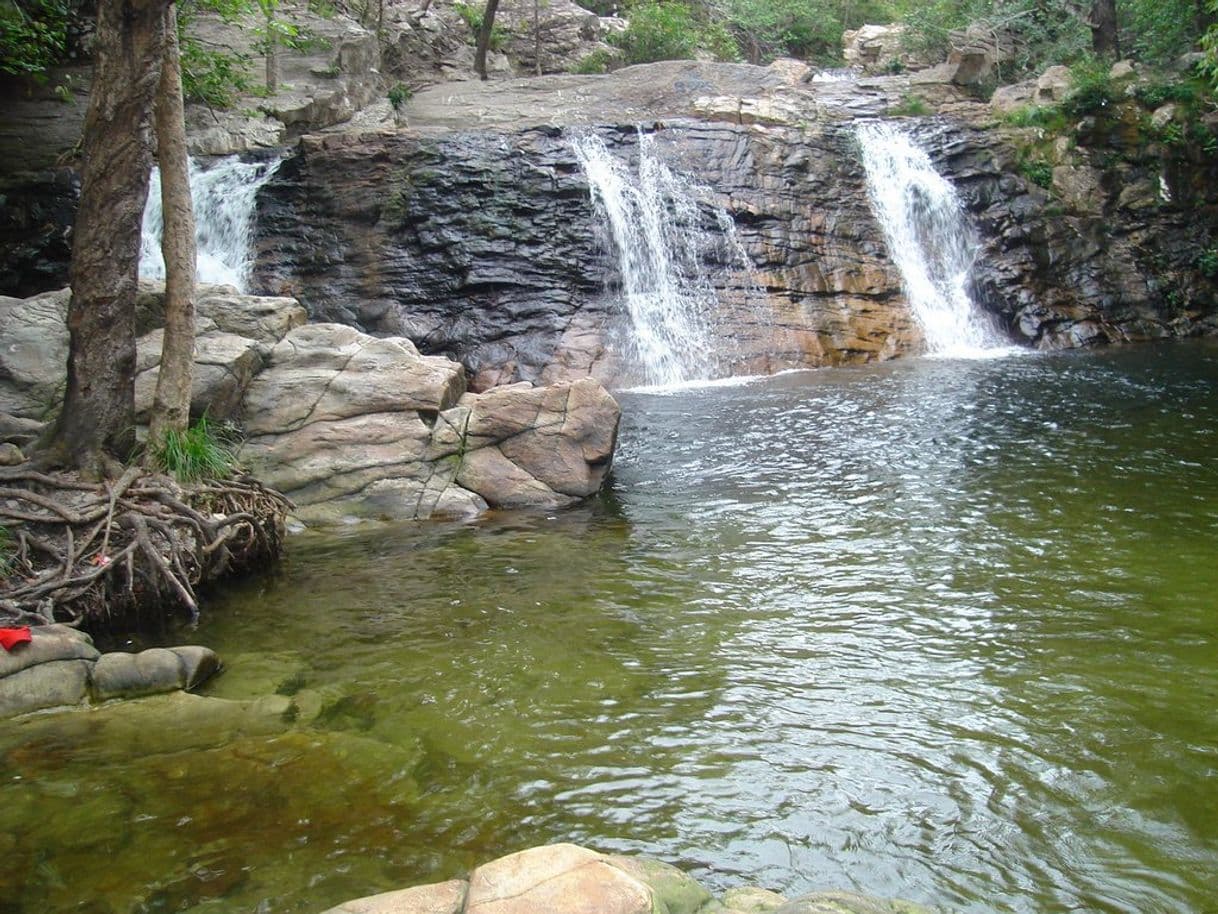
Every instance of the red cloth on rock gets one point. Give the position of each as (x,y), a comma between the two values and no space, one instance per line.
(11,637)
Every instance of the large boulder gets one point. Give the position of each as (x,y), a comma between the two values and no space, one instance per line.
(350,425)
(33,353)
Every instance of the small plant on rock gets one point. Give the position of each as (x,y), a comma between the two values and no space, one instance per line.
(1038,171)
(910,105)
(399,95)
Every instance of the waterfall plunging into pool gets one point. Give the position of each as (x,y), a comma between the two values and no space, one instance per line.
(224,195)
(656,223)
(929,239)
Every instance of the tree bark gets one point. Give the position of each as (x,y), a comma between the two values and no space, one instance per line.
(272,51)
(96,426)
(537,37)
(1105,39)
(171,404)
(484,37)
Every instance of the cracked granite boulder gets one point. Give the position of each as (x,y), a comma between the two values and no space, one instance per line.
(353,426)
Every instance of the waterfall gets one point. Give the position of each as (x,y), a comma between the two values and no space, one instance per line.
(929,239)
(224,194)
(655,220)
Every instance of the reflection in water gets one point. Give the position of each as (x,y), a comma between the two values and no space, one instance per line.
(936,629)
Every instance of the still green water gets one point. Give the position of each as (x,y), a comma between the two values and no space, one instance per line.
(942,630)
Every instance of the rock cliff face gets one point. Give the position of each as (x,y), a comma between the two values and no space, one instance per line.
(473,234)
(484,245)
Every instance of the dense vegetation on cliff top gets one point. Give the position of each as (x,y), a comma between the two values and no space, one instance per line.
(37,34)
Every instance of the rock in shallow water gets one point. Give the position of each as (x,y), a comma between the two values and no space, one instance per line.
(568,879)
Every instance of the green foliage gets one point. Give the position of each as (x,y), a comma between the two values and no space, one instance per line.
(1091,90)
(203,451)
(213,77)
(1158,31)
(473,18)
(596,62)
(716,39)
(1049,117)
(1207,263)
(910,106)
(809,29)
(399,95)
(33,34)
(658,31)
(1042,32)
(1156,94)
(1038,171)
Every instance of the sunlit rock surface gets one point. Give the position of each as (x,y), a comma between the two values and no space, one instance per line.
(568,879)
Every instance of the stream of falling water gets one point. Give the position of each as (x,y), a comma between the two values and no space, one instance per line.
(929,239)
(655,220)
(224,195)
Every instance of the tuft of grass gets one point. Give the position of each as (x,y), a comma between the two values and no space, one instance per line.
(1048,116)
(203,451)
(910,105)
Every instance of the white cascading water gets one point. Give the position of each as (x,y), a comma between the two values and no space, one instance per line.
(657,229)
(929,239)
(223,194)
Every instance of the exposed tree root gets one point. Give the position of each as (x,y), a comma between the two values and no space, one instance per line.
(91,554)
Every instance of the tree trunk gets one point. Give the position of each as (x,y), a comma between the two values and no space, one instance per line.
(171,406)
(272,48)
(484,37)
(96,426)
(1105,40)
(537,37)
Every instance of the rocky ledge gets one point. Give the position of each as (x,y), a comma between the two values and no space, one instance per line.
(567,879)
(346,424)
(60,667)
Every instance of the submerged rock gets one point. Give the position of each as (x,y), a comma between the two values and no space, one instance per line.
(568,879)
(60,667)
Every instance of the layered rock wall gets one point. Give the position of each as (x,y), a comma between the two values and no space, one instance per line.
(346,424)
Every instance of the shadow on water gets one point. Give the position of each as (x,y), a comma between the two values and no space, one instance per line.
(940,629)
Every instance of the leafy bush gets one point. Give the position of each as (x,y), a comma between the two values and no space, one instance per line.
(596,62)
(203,451)
(399,95)
(1156,94)
(33,34)
(1158,31)
(1207,262)
(1092,91)
(1038,171)
(658,31)
(213,77)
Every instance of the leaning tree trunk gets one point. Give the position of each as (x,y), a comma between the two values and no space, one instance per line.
(484,37)
(97,423)
(171,405)
(1105,39)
